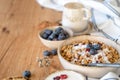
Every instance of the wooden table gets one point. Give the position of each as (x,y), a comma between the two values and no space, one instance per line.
(19,42)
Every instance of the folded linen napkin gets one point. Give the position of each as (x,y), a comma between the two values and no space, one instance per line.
(111,29)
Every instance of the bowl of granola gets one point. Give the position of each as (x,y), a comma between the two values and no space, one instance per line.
(84,50)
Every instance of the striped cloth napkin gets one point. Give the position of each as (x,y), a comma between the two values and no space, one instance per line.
(108,26)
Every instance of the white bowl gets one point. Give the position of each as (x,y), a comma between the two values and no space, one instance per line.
(53,44)
(71,75)
(95,72)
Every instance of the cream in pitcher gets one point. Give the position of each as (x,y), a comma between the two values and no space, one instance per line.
(75,16)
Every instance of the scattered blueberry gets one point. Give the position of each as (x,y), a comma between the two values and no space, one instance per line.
(54,51)
(61,36)
(47,31)
(51,52)
(46,53)
(44,35)
(97,46)
(26,74)
(93,51)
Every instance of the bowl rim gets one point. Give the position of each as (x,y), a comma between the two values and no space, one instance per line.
(59,54)
(53,27)
(67,71)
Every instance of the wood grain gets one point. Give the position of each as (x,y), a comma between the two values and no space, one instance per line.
(19,42)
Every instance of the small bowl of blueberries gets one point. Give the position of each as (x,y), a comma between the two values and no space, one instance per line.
(54,36)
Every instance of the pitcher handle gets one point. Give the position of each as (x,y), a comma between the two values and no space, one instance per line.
(87,14)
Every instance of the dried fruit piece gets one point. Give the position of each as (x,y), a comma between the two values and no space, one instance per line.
(63,76)
(56,78)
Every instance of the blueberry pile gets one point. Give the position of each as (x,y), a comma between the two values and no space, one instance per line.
(92,48)
(48,53)
(54,35)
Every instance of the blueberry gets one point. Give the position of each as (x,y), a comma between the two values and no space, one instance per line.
(52,36)
(46,53)
(65,33)
(47,31)
(56,33)
(58,30)
(49,39)
(93,51)
(61,36)
(89,46)
(97,46)
(26,74)
(67,36)
(54,51)
(44,35)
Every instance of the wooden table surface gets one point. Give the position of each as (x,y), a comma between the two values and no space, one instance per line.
(19,42)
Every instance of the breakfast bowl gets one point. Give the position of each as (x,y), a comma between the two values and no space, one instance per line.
(53,43)
(71,61)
